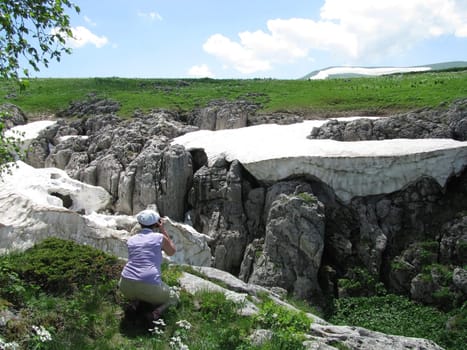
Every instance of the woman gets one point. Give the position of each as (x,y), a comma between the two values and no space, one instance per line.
(141,277)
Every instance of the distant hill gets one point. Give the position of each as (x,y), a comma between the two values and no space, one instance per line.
(353,72)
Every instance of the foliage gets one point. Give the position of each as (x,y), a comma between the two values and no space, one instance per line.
(360,282)
(59,266)
(9,147)
(398,315)
(288,326)
(171,273)
(307,198)
(91,314)
(35,30)
(370,96)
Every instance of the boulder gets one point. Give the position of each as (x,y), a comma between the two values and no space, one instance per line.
(453,245)
(293,245)
(220,115)
(364,339)
(12,115)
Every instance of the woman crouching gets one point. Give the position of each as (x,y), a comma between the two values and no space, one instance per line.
(141,278)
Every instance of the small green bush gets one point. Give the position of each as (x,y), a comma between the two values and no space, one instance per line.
(359,282)
(288,326)
(60,266)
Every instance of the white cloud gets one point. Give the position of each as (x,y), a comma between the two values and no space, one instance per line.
(351,29)
(83,36)
(150,15)
(200,71)
(233,54)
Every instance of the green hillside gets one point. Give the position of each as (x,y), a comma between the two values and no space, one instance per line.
(376,95)
(443,66)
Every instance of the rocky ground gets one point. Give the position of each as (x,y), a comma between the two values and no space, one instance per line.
(294,234)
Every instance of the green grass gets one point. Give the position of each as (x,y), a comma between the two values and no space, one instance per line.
(89,312)
(397,315)
(376,95)
(79,304)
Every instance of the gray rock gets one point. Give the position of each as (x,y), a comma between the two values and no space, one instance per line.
(220,115)
(293,245)
(12,115)
(193,284)
(160,174)
(443,122)
(217,210)
(357,338)
(453,247)
(459,278)
(260,336)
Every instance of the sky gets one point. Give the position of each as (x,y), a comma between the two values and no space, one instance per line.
(258,38)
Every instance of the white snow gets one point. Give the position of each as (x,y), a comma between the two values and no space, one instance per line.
(30,212)
(29,131)
(324,74)
(273,152)
(38,185)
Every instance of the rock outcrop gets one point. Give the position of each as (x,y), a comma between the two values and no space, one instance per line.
(449,123)
(293,245)
(380,212)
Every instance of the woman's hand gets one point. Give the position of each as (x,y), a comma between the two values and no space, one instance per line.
(167,244)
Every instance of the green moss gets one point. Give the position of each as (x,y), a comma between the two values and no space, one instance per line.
(308,198)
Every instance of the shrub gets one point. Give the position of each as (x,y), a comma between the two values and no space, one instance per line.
(360,282)
(288,326)
(60,266)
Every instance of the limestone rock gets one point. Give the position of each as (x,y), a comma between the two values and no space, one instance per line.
(442,122)
(459,278)
(192,246)
(220,115)
(217,210)
(193,284)
(453,247)
(293,245)
(12,115)
(363,339)
(92,105)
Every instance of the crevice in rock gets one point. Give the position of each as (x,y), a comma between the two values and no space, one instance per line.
(66,199)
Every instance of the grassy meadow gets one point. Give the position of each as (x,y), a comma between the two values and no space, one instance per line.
(311,98)
(65,296)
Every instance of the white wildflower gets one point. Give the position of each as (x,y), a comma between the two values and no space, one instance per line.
(176,343)
(184,324)
(8,345)
(158,324)
(42,333)
(174,293)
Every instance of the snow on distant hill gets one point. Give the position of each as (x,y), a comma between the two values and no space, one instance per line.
(359,71)
(352,71)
